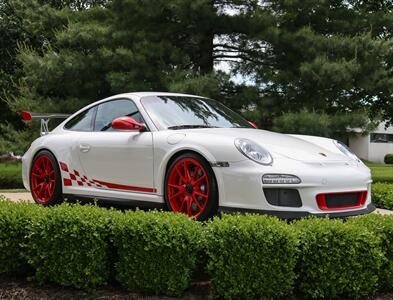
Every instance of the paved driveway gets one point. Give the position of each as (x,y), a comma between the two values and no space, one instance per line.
(18,196)
(27,197)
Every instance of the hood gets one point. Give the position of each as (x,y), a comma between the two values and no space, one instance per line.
(277,144)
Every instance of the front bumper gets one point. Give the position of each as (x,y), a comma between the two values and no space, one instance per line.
(241,188)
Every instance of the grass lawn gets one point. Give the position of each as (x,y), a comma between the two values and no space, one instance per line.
(381,172)
(13,191)
(11,175)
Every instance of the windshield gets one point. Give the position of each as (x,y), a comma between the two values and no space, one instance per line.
(177,112)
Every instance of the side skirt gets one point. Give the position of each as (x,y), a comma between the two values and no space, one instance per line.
(115,201)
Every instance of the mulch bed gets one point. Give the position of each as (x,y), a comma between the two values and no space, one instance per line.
(20,289)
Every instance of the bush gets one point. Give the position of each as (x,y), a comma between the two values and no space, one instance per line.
(337,259)
(157,251)
(382,195)
(388,159)
(11,175)
(14,220)
(69,245)
(248,257)
(251,257)
(383,227)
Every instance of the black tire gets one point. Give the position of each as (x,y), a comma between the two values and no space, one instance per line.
(56,196)
(211,207)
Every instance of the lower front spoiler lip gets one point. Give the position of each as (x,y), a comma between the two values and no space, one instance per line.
(299,214)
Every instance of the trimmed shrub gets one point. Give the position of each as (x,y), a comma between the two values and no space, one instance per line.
(388,159)
(11,175)
(382,195)
(157,251)
(251,256)
(383,227)
(69,245)
(337,259)
(14,220)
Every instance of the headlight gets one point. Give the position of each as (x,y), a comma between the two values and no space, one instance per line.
(345,150)
(253,151)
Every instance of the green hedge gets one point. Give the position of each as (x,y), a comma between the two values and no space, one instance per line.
(388,159)
(251,257)
(247,256)
(157,251)
(14,221)
(337,259)
(69,245)
(382,195)
(11,175)
(382,226)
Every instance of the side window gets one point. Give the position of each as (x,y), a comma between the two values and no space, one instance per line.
(82,121)
(108,111)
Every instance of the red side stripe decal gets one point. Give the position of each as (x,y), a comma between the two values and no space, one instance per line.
(76,178)
(125,187)
(64,167)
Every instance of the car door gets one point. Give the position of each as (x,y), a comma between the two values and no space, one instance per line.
(117,160)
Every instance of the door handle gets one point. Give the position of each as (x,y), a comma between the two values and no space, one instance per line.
(84,148)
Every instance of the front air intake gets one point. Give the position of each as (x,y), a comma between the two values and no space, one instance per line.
(282,197)
(340,201)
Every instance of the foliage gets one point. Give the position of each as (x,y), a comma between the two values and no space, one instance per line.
(322,124)
(247,256)
(388,159)
(157,252)
(11,175)
(325,57)
(14,220)
(251,257)
(383,227)
(319,55)
(382,195)
(70,245)
(337,259)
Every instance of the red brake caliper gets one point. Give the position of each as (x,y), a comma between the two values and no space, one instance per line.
(188,187)
(43,179)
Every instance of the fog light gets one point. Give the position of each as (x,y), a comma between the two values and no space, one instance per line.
(280,179)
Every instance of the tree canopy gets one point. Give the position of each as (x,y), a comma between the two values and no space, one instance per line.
(294,56)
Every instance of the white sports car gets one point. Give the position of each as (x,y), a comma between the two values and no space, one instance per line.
(192,155)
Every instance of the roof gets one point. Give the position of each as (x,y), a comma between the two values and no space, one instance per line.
(145,94)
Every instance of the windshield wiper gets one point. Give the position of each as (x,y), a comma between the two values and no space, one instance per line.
(190,126)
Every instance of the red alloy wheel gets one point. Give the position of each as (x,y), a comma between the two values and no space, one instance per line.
(43,179)
(188,187)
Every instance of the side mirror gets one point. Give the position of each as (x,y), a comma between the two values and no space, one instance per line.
(127,123)
(253,124)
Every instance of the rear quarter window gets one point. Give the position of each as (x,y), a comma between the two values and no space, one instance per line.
(82,121)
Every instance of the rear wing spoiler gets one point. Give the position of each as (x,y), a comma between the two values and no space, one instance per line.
(28,116)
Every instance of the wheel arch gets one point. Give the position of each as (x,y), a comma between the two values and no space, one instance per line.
(175,155)
(34,155)
(56,193)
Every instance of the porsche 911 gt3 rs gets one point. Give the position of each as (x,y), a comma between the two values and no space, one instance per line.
(192,155)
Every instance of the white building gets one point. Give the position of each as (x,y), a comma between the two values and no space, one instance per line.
(373,146)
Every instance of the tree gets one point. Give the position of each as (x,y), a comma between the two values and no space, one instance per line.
(329,57)
(337,126)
